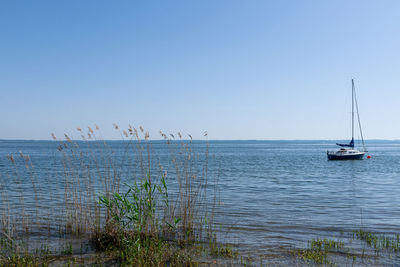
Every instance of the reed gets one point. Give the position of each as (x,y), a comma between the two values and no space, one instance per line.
(147,215)
(119,197)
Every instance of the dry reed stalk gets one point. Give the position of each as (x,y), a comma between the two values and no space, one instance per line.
(92,166)
(5,208)
(82,212)
(192,177)
(18,179)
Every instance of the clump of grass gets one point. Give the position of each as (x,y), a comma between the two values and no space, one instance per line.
(14,254)
(318,250)
(380,243)
(223,251)
(133,231)
(133,249)
(20,260)
(66,250)
(146,224)
(138,232)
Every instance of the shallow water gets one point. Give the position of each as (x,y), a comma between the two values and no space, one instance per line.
(274,195)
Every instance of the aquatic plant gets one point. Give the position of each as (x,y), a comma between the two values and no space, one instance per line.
(144,222)
(380,243)
(318,250)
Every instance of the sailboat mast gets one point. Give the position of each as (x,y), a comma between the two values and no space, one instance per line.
(352,109)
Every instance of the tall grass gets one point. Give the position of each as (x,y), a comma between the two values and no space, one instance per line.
(109,190)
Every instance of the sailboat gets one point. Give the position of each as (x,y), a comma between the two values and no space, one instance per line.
(347,151)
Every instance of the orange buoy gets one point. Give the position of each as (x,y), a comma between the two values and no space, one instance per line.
(368,157)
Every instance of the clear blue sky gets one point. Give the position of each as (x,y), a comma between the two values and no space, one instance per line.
(238,69)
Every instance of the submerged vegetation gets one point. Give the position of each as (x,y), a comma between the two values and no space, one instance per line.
(319,249)
(120,200)
(359,248)
(379,242)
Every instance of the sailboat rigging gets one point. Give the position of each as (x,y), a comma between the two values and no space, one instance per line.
(347,151)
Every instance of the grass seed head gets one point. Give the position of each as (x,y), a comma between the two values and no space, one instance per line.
(67,137)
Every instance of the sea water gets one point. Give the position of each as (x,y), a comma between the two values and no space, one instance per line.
(272,195)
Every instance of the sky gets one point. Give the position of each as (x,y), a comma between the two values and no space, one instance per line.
(260,70)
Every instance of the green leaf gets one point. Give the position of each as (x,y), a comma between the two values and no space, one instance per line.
(177,220)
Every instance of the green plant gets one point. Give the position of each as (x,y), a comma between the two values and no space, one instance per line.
(379,242)
(146,217)
(319,249)
(223,251)
(135,210)
(66,250)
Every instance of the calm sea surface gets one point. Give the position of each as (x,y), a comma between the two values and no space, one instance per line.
(273,194)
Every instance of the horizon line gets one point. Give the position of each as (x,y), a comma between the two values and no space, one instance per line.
(90,140)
